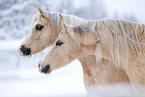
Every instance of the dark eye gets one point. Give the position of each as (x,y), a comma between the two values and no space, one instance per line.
(39,27)
(59,43)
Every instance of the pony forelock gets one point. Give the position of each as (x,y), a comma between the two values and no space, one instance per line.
(34,18)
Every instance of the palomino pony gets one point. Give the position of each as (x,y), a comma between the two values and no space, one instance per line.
(121,42)
(46,28)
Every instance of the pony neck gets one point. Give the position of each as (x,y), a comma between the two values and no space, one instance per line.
(105,42)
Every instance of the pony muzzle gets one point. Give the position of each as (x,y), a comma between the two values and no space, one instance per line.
(26,52)
(46,69)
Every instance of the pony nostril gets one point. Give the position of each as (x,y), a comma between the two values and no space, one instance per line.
(45,69)
(26,51)
(22,48)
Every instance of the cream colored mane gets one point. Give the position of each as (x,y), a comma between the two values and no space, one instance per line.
(124,37)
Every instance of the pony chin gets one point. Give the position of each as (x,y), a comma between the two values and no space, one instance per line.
(20,53)
(27,56)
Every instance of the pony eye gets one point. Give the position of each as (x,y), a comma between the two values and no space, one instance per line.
(59,43)
(39,27)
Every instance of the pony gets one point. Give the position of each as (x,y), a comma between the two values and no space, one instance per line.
(118,41)
(44,31)
(46,28)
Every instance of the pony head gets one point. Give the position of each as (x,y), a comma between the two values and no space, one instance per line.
(40,34)
(70,44)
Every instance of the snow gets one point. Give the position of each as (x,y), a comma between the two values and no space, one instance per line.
(125,7)
(10,45)
(18,7)
(78,2)
(64,82)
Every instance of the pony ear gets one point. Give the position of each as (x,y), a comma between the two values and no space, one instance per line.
(64,26)
(60,18)
(41,11)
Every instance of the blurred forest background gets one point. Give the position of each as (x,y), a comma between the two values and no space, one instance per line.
(15,17)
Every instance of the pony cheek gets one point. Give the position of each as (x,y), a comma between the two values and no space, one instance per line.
(36,48)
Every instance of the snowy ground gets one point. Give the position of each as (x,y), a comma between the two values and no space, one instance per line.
(65,82)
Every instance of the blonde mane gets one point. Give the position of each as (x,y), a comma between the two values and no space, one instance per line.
(124,37)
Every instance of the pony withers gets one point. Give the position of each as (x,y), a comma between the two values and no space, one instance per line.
(121,42)
(46,28)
